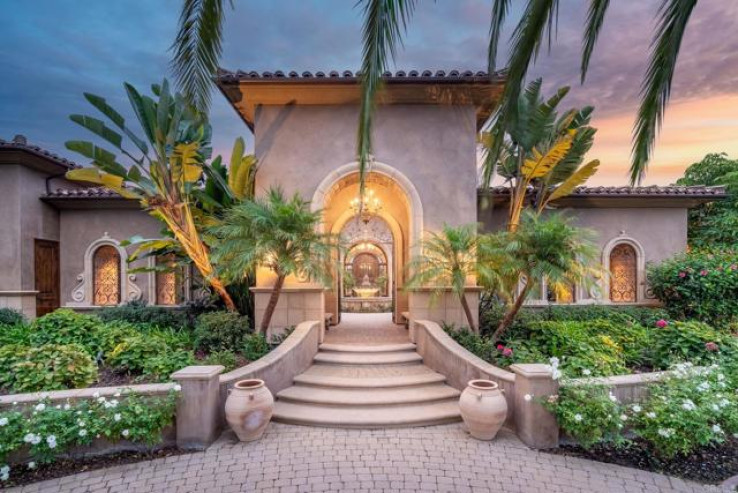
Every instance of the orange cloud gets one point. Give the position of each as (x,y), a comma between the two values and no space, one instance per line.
(691,129)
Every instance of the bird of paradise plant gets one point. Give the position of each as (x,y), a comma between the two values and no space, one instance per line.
(166,173)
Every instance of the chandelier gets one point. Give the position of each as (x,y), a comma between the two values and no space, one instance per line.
(367,206)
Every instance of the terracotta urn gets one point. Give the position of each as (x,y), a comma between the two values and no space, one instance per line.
(249,408)
(483,408)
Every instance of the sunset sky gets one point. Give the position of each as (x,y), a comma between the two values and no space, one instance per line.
(53,50)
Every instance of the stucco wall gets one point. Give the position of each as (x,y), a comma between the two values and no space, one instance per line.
(10,232)
(434,146)
(79,228)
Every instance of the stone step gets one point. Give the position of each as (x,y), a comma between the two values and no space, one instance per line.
(368,397)
(367,416)
(384,358)
(363,348)
(347,381)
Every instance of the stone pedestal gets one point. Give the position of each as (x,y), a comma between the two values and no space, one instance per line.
(534,424)
(198,408)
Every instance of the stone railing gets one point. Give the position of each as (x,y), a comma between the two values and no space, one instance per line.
(627,388)
(535,426)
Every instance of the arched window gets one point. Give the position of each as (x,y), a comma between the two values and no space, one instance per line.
(106,276)
(623,274)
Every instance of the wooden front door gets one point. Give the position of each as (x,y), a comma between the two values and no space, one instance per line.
(46,264)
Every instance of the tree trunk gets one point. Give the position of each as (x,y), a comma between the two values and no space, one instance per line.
(220,288)
(273,299)
(511,313)
(468,313)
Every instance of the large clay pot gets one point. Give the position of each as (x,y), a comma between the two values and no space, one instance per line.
(249,408)
(483,408)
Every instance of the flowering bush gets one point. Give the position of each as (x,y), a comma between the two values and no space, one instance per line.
(697,407)
(588,413)
(695,342)
(698,285)
(50,430)
(47,367)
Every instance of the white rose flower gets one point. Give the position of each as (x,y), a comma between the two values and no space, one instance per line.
(703,387)
(40,406)
(636,408)
(114,403)
(651,414)
(82,433)
(177,387)
(666,433)
(715,407)
(612,397)
(527,397)
(96,395)
(586,372)
(623,417)
(125,433)
(116,417)
(688,405)
(31,465)
(28,438)
(578,418)
(716,429)
(3,421)
(51,441)
(67,407)
(81,423)
(36,440)
(100,400)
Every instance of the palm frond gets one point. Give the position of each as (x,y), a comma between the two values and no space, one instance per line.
(595,19)
(197,49)
(499,12)
(384,22)
(656,87)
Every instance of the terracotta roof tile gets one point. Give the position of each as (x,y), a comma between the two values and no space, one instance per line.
(38,151)
(226,76)
(649,191)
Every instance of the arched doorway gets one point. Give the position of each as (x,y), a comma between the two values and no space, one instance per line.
(366,278)
(400,214)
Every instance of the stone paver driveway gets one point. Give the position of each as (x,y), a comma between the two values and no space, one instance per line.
(440,458)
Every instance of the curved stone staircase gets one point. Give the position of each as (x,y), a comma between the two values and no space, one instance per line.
(368,386)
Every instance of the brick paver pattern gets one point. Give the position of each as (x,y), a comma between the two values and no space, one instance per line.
(366,329)
(440,458)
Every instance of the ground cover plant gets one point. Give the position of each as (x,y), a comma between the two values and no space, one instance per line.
(45,431)
(129,344)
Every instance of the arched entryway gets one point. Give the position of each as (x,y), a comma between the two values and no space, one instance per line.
(396,224)
(367,273)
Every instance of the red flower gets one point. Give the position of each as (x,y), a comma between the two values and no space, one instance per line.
(507,352)
(703,272)
(661,323)
(500,347)
(711,346)
(682,275)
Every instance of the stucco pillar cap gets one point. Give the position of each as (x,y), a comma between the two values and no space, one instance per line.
(198,372)
(532,370)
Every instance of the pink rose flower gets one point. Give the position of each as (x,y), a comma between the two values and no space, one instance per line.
(733,267)
(500,347)
(703,272)
(507,352)
(661,323)
(682,275)
(711,346)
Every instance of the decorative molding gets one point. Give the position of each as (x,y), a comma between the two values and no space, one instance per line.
(82,294)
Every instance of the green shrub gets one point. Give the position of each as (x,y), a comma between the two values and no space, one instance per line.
(47,367)
(691,341)
(51,431)
(161,367)
(255,346)
(133,352)
(137,312)
(9,316)
(228,359)
(698,285)
(65,326)
(218,331)
(588,413)
(15,334)
(110,334)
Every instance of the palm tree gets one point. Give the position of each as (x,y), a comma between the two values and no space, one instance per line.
(384,21)
(170,162)
(513,263)
(448,258)
(278,234)
(536,150)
